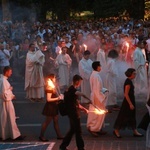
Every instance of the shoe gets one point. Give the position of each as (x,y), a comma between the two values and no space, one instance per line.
(93,133)
(115,109)
(101,132)
(43,139)
(109,111)
(32,99)
(63,149)
(17,117)
(138,135)
(117,135)
(20,137)
(60,138)
(116,106)
(40,100)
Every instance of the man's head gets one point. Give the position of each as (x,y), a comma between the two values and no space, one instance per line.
(1,46)
(96,66)
(77,80)
(86,54)
(64,50)
(32,47)
(113,54)
(7,71)
(140,44)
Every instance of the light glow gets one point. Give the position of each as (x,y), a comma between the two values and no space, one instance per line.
(99,111)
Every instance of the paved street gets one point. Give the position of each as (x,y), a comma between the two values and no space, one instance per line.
(30,121)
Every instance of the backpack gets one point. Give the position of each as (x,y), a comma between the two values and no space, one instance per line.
(62,105)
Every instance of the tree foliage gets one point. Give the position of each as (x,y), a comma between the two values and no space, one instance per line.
(61,9)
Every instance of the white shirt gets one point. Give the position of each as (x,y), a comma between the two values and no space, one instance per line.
(4,59)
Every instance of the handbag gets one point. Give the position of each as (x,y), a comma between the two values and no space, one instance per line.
(62,108)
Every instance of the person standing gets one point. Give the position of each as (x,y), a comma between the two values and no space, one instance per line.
(111,77)
(73,107)
(8,126)
(85,70)
(76,52)
(139,61)
(63,62)
(98,99)
(4,58)
(101,56)
(127,114)
(50,110)
(34,80)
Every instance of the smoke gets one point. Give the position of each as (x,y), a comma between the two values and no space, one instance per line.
(23,13)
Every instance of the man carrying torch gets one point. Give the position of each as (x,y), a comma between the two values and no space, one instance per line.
(73,107)
(96,114)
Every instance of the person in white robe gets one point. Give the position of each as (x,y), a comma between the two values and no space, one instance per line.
(63,63)
(139,61)
(8,126)
(85,70)
(111,77)
(101,56)
(34,80)
(98,100)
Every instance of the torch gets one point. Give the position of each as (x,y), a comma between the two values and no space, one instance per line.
(85,47)
(50,86)
(97,109)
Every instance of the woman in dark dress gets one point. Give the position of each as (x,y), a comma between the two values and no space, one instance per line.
(50,111)
(127,114)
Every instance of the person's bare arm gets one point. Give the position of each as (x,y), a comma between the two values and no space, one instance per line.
(126,94)
(83,108)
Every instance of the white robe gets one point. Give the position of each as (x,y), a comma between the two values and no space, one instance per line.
(102,58)
(34,80)
(141,82)
(95,121)
(8,126)
(111,76)
(148,131)
(63,62)
(85,70)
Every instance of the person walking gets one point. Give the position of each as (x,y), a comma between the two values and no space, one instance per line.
(8,126)
(4,58)
(111,77)
(139,61)
(50,110)
(98,99)
(127,114)
(63,62)
(73,107)
(85,70)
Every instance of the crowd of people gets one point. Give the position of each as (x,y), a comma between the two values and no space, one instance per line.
(100,51)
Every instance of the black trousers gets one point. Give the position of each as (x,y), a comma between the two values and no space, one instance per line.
(75,128)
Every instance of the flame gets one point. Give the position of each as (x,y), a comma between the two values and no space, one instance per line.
(60,52)
(50,84)
(85,47)
(99,111)
(127,44)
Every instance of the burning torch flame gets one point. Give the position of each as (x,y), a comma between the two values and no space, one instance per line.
(85,47)
(98,111)
(127,44)
(50,84)
(60,52)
